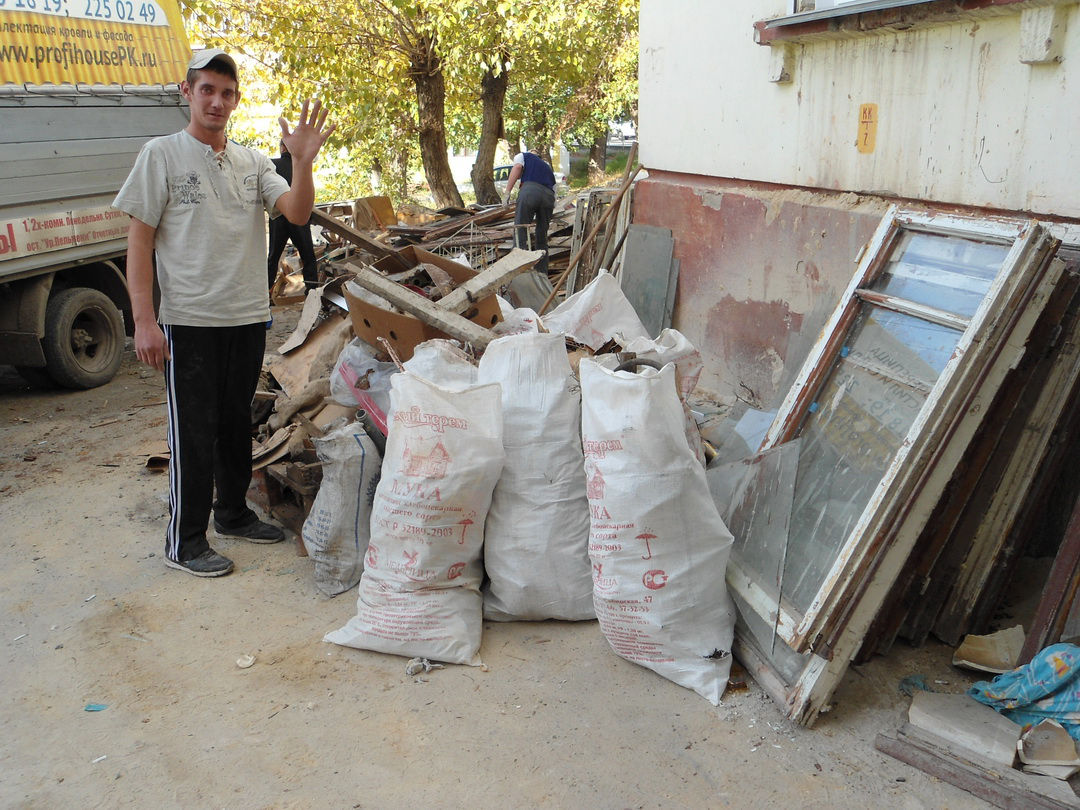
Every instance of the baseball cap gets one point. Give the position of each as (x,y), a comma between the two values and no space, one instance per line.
(207,55)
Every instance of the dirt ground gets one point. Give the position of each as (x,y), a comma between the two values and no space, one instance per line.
(92,616)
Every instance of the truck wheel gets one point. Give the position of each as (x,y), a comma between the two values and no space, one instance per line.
(84,338)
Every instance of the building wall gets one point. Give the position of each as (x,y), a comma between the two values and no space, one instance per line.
(760,269)
(961,118)
(769,200)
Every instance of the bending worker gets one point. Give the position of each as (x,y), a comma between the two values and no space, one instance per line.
(535,202)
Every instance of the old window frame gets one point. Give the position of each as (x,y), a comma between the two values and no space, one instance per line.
(804,631)
(802,681)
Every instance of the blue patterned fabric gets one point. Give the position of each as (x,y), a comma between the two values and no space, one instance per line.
(1048,687)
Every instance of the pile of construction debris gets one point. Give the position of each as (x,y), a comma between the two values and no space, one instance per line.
(884,500)
(587,232)
(459,441)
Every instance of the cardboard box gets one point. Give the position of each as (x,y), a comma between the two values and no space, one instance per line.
(373,213)
(403,331)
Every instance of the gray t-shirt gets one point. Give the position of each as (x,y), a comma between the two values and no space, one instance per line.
(211,232)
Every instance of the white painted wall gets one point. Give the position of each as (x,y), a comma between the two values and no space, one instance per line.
(961,119)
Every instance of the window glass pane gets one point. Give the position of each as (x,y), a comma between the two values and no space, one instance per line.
(754,497)
(749,625)
(869,401)
(945,272)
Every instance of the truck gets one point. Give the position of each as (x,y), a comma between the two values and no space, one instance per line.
(83,85)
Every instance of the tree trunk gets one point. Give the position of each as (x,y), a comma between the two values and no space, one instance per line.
(598,157)
(375,175)
(492,93)
(431,103)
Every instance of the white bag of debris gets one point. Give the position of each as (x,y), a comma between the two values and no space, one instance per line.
(672,346)
(596,314)
(358,370)
(658,546)
(442,362)
(338,527)
(537,531)
(515,321)
(419,595)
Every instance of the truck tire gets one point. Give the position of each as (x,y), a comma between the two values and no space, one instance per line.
(84,338)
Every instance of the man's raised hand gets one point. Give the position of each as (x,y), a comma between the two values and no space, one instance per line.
(310,133)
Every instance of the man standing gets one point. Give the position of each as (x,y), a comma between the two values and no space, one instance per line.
(535,202)
(281,231)
(196,203)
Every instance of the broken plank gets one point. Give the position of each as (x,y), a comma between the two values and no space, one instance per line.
(488,281)
(421,308)
(1002,787)
(441,229)
(335,225)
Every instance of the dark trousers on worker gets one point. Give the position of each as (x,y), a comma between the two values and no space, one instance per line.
(535,202)
(281,231)
(210,380)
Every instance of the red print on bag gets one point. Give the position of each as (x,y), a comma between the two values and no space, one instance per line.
(601,582)
(594,485)
(648,550)
(432,465)
(654,580)
(465,523)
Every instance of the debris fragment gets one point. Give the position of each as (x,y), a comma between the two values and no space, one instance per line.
(737,678)
(418,665)
(997,652)
(95,707)
(245,661)
(1048,743)
(964,725)
(1063,772)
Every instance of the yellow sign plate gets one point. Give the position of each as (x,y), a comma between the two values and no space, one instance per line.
(868,120)
(92,42)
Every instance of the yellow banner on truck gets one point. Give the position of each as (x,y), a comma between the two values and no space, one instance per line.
(92,42)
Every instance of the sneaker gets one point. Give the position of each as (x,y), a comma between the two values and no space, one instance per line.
(207,564)
(255,532)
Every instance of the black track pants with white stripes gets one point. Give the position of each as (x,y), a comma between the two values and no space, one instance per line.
(209,383)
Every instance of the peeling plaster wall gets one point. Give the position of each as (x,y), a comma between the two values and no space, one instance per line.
(764,189)
(760,271)
(960,118)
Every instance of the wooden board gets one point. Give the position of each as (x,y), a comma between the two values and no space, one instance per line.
(423,309)
(489,281)
(645,277)
(349,233)
(1002,787)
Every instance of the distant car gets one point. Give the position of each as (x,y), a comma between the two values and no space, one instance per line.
(501,175)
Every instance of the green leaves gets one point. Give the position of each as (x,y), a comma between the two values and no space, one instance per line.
(571,67)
